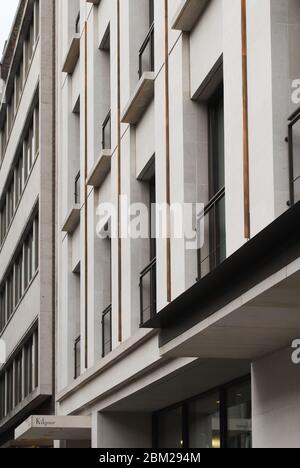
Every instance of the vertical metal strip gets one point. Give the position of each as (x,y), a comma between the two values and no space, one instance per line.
(120,331)
(247,227)
(85,194)
(167,122)
(54,187)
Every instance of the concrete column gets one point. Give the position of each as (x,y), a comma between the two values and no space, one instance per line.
(276,401)
(121,430)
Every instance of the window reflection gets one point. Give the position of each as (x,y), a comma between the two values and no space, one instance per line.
(204,422)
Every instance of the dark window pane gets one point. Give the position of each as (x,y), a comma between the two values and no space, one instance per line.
(169,429)
(239,416)
(204,422)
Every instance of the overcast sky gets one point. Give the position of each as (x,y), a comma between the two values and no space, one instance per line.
(8,10)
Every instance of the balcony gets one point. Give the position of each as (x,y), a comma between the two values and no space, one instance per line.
(107,331)
(72,55)
(103,164)
(144,91)
(294,156)
(148,292)
(212,250)
(140,100)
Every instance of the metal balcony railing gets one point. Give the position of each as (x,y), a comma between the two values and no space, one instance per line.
(106,132)
(213,239)
(107,331)
(146,53)
(294,156)
(148,292)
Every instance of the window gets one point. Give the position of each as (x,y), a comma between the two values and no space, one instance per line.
(146,54)
(294,160)
(18,379)
(3,222)
(24,162)
(18,278)
(37,19)
(77,357)
(106,132)
(18,179)
(10,203)
(10,295)
(20,273)
(107,331)
(2,308)
(213,251)
(218,419)
(2,397)
(77,24)
(170,428)
(28,156)
(28,260)
(148,275)
(239,413)
(10,389)
(28,367)
(204,422)
(36,244)
(77,190)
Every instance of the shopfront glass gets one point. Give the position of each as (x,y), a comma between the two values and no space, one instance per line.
(204,422)
(218,419)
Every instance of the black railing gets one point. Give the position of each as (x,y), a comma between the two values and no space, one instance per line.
(107,331)
(148,292)
(106,132)
(77,355)
(146,54)
(212,249)
(77,189)
(294,156)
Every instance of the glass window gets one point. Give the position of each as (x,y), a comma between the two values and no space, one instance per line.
(9,395)
(204,422)
(216,139)
(28,367)
(10,295)
(2,397)
(169,429)
(220,419)
(18,379)
(18,278)
(213,250)
(239,416)
(2,308)
(77,358)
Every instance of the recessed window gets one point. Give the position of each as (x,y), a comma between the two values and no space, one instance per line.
(213,249)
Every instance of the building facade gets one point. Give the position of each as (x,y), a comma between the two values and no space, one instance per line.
(161,342)
(178,102)
(27,217)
